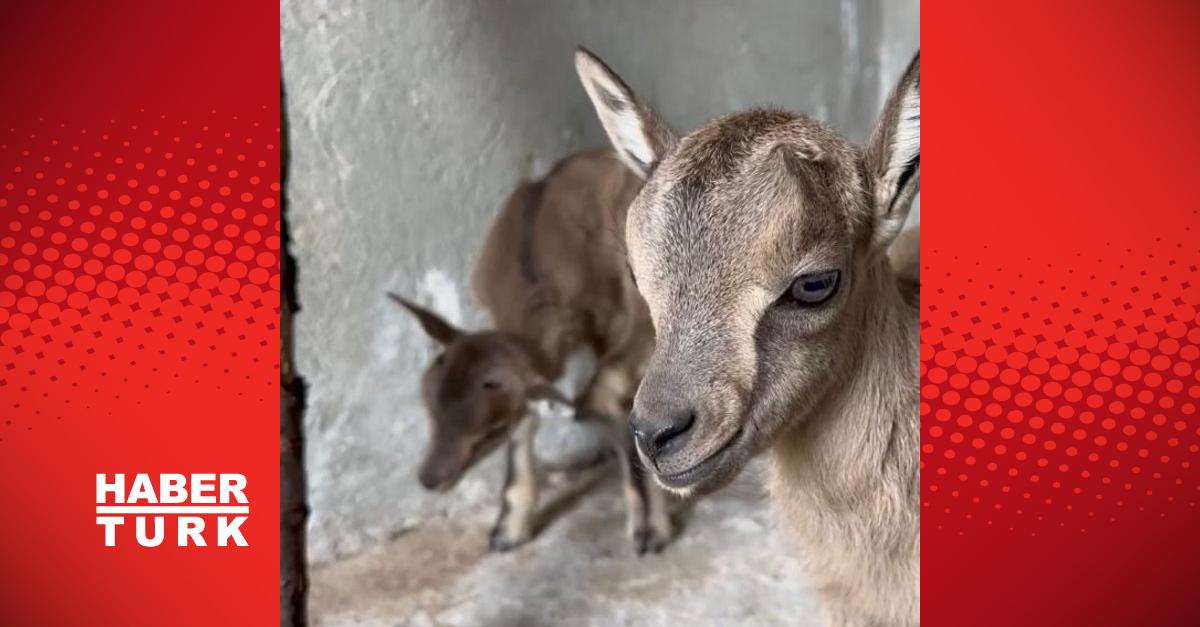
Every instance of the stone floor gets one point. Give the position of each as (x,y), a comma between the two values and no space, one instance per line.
(728,567)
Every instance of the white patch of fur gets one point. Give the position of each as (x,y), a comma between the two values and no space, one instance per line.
(906,143)
(905,146)
(625,128)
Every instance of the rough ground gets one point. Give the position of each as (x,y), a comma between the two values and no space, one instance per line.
(728,567)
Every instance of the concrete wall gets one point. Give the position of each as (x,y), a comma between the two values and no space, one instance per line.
(900,39)
(413,119)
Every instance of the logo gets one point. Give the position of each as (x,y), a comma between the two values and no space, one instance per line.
(186,500)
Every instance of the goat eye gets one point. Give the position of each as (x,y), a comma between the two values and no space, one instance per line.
(815,288)
(490,385)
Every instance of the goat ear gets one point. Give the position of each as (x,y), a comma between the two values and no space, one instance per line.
(893,156)
(434,325)
(637,133)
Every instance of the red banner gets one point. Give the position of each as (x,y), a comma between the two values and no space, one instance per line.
(1058,317)
(139,312)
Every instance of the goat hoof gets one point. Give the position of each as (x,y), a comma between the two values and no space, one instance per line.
(647,541)
(498,542)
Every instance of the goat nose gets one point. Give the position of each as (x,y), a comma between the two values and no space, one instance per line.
(429,479)
(655,437)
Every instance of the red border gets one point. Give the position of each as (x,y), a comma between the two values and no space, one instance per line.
(1059,332)
(139,277)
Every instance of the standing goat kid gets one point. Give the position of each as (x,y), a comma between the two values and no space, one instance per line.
(552,276)
(760,245)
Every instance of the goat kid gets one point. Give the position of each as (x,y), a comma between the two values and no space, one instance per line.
(552,276)
(759,243)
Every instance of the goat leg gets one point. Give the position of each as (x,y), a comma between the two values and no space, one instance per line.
(519,496)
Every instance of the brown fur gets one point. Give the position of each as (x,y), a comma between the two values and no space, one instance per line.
(552,276)
(905,254)
(737,224)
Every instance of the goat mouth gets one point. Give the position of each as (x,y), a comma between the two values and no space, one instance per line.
(477,452)
(445,486)
(701,471)
(485,446)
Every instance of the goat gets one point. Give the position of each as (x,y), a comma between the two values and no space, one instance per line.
(759,243)
(552,276)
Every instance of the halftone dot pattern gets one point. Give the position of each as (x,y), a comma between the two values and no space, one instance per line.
(138,256)
(1060,397)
